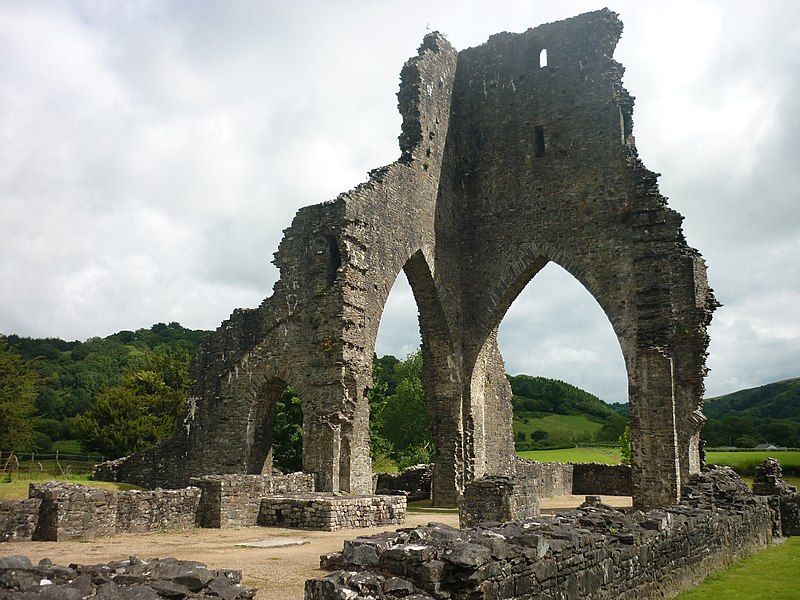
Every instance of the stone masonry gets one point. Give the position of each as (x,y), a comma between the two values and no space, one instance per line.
(498,499)
(18,519)
(326,512)
(505,165)
(593,552)
(784,500)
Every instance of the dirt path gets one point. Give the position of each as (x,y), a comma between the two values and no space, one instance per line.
(278,573)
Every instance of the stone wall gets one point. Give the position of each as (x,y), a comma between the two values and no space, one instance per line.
(600,479)
(497,498)
(235,500)
(75,512)
(547,478)
(413,482)
(783,498)
(326,512)
(140,511)
(18,519)
(592,552)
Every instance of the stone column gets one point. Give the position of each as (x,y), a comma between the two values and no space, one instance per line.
(655,467)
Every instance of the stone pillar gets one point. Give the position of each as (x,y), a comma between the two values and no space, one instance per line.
(655,467)
(322,441)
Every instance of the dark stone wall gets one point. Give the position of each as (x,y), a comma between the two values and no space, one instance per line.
(504,167)
(497,499)
(599,479)
(413,482)
(18,519)
(592,552)
(547,478)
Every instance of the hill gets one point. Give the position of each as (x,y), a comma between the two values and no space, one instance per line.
(779,400)
(549,412)
(72,373)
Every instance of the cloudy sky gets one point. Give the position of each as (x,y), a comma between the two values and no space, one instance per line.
(152,152)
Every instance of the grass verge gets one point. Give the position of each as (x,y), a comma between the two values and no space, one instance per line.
(770,574)
(17,488)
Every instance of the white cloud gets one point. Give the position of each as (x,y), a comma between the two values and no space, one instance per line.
(152,153)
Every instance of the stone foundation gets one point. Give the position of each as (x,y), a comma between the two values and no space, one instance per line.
(18,519)
(592,552)
(497,499)
(326,512)
(235,500)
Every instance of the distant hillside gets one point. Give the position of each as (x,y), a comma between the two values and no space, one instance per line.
(779,400)
(71,373)
(548,412)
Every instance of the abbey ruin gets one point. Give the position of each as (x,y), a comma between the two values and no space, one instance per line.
(514,153)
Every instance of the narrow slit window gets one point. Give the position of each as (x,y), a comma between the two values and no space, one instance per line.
(543,58)
(538,140)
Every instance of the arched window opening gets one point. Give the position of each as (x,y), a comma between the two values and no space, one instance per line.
(276,427)
(565,365)
(399,429)
(543,58)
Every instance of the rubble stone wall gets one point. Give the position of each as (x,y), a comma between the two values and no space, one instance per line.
(497,498)
(592,552)
(413,482)
(74,512)
(600,479)
(18,519)
(330,513)
(230,501)
(547,478)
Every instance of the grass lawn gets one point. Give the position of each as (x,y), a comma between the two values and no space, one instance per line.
(770,574)
(17,489)
(609,456)
(748,460)
(560,427)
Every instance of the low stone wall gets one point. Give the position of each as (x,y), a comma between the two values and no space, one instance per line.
(413,482)
(235,500)
(74,512)
(139,512)
(18,519)
(548,478)
(326,512)
(592,552)
(127,579)
(599,479)
(497,499)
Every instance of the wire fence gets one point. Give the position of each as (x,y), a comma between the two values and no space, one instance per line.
(58,464)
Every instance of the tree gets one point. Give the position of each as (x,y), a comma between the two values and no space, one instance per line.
(287,433)
(17,398)
(147,405)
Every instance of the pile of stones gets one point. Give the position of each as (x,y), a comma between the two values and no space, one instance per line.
(133,579)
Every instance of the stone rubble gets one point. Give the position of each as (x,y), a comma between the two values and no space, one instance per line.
(132,579)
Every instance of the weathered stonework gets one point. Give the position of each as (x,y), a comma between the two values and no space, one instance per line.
(230,501)
(505,166)
(69,511)
(412,482)
(326,512)
(592,552)
(600,479)
(784,500)
(497,499)
(18,519)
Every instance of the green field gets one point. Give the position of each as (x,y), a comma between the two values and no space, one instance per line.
(740,461)
(559,427)
(609,456)
(17,489)
(768,575)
